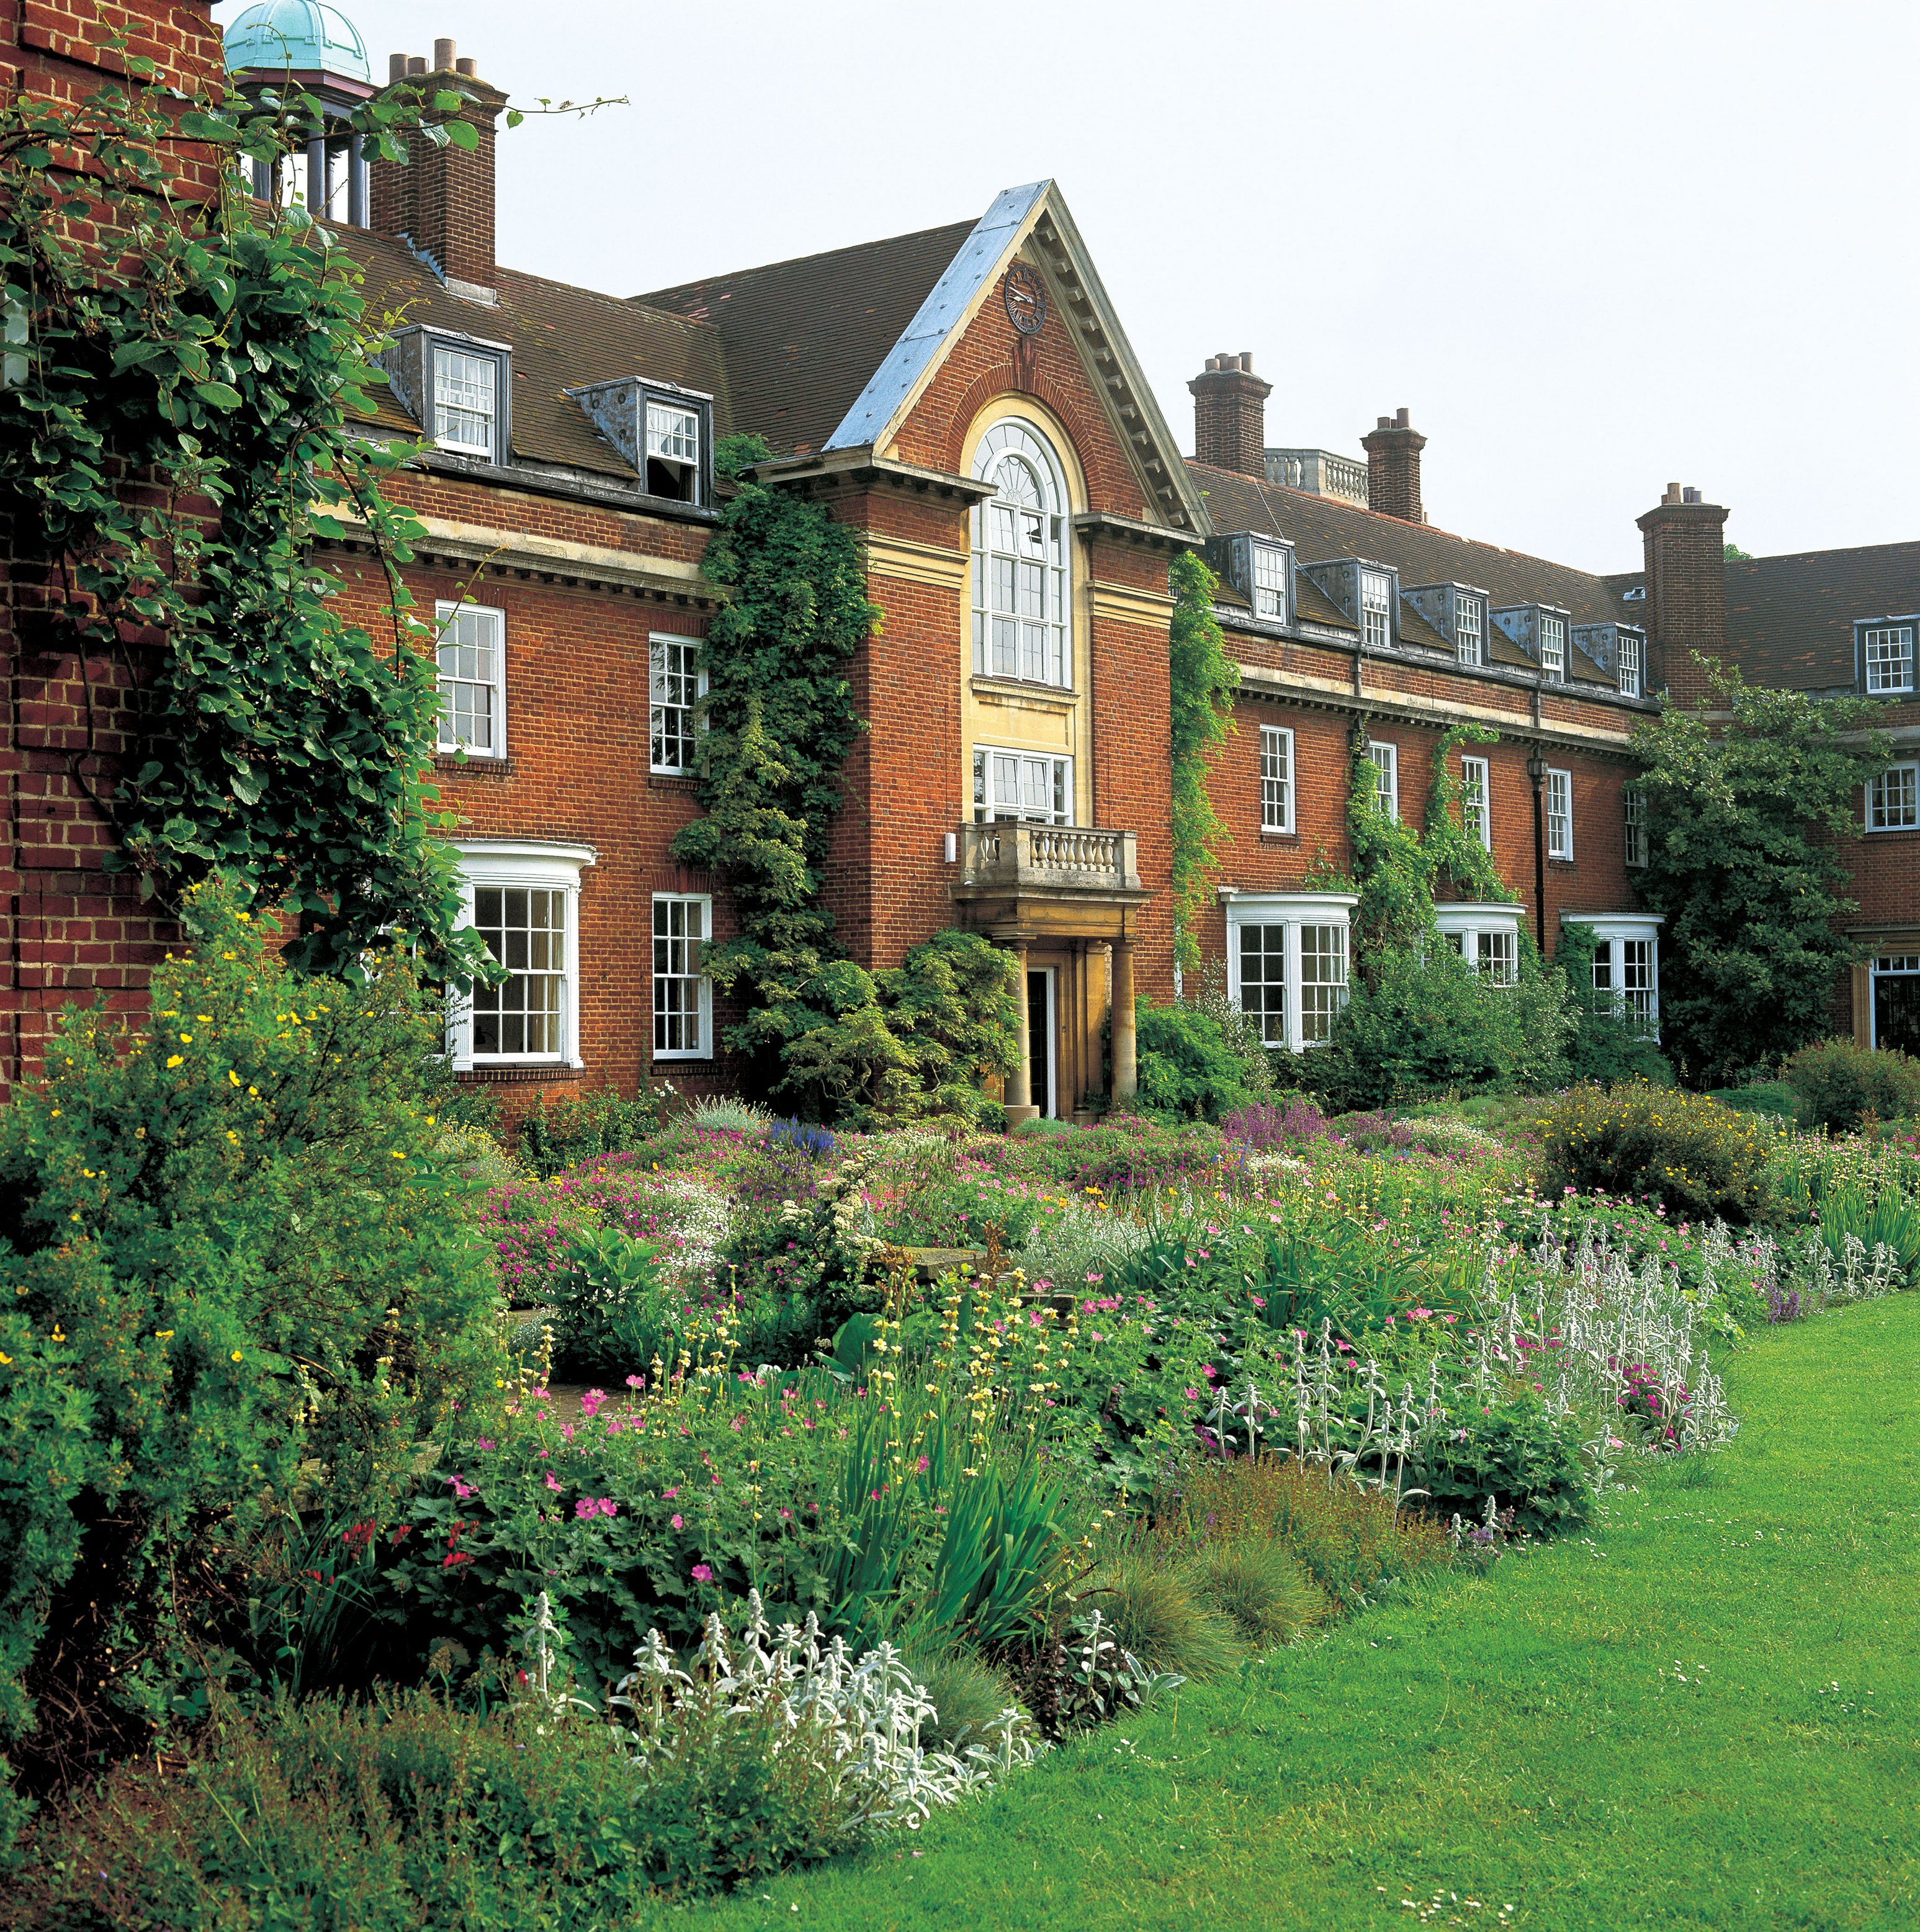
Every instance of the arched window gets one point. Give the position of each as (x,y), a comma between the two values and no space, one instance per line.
(1020,566)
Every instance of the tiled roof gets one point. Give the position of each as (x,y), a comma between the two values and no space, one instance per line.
(802,338)
(561,336)
(1789,619)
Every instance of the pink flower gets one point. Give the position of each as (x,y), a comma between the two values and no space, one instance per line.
(1193,1395)
(551,1482)
(702,1573)
(636,1381)
(920,1467)
(680,1522)
(483,1443)
(462,1490)
(668,1495)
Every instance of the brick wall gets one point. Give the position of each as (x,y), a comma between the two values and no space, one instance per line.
(67,930)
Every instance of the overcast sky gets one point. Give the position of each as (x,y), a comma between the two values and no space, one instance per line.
(1593,247)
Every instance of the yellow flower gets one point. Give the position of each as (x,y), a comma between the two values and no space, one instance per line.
(5,1359)
(186,1039)
(174,1060)
(232,1076)
(161,1334)
(236,1355)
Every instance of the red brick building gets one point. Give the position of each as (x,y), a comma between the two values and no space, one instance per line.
(965,399)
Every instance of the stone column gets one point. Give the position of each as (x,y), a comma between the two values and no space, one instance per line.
(1126,1066)
(1023,1080)
(356,182)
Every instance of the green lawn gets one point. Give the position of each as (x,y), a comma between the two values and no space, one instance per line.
(1642,1728)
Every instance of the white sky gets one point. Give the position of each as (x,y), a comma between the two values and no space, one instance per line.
(1592,246)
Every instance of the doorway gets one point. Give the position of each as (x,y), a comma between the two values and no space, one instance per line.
(1041,1036)
(1896,1001)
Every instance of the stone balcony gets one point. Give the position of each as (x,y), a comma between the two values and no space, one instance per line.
(1068,880)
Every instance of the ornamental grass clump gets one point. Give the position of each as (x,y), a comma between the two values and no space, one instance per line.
(1697,1158)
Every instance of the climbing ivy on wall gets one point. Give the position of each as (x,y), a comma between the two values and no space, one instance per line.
(218,358)
(1204,679)
(836,1040)
(1395,867)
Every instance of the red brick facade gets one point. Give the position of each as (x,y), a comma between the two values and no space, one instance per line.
(586,569)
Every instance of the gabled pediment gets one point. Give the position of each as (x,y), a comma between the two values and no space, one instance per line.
(1032,224)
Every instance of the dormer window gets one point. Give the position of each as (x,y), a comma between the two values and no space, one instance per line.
(1376,608)
(1469,631)
(1261,569)
(1270,582)
(1553,647)
(1629,668)
(665,433)
(466,403)
(458,388)
(1886,654)
(673,451)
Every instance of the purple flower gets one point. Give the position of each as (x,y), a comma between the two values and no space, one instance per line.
(702,1573)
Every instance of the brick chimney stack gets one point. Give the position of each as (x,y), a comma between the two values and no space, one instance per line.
(1230,415)
(1685,542)
(1393,469)
(441,203)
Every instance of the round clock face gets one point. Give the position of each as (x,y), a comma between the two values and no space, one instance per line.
(1026,297)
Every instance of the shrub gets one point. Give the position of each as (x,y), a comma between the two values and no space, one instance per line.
(613,1308)
(233,1267)
(1513,1452)
(412,1813)
(735,1116)
(1418,1025)
(1695,1156)
(1188,1068)
(1839,1084)
(579,1126)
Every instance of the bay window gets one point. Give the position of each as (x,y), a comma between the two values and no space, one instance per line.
(1626,965)
(1287,962)
(1486,935)
(1035,786)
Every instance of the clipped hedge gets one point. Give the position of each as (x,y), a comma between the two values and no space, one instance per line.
(1692,1156)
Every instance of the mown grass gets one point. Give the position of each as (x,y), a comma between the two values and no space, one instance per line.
(1638,1728)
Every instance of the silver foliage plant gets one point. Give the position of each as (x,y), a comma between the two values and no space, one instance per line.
(862,1715)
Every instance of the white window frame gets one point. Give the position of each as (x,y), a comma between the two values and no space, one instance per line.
(1376,609)
(670,431)
(1478,928)
(1633,823)
(1563,848)
(1277,778)
(1553,667)
(1269,586)
(447,612)
(1894,807)
(1477,801)
(988,810)
(1612,934)
(1029,649)
(1892,671)
(703,1007)
(1629,670)
(1386,758)
(514,864)
(448,353)
(657,646)
(1293,913)
(1469,637)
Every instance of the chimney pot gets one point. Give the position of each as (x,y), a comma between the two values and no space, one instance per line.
(1690,494)
(1673,493)
(443,52)
(465,65)
(1246,360)
(416,64)
(396,67)
(1400,420)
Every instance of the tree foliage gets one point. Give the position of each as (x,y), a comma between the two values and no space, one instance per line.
(1203,681)
(217,361)
(1747,804)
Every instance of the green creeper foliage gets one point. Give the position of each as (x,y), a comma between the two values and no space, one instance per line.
(233,1269)
(839,1041)
(1204,679)
(1461,859)
(1393,870)
(1746,808)
(220,356)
